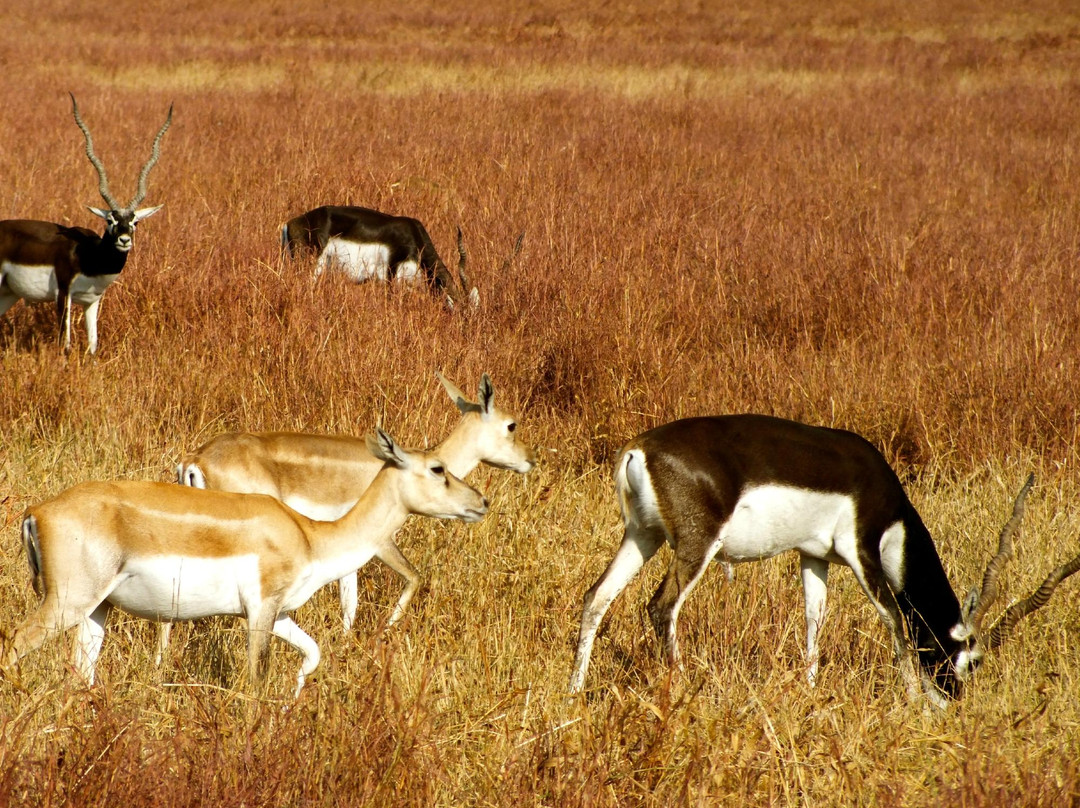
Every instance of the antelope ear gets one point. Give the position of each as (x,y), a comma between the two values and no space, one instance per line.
(970,604)
(486,394)
(458,397)
(104,214)
(965,629)
(386,449)
(146,213)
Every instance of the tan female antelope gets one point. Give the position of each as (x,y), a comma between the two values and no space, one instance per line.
(322,476)
(167,552)
(743,488)
(42,261)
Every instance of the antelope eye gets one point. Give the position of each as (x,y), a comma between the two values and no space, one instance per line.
(511,427)
(438,470)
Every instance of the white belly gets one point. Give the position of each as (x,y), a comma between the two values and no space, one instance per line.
(34,284)
(773,519)
(320,511)
(176,588)
(37,284)
(363,262)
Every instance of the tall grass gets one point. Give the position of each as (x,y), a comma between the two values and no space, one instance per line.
(862,216)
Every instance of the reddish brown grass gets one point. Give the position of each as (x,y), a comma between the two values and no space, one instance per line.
(858,215)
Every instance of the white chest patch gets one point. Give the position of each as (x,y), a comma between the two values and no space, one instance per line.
(772,519)
(85,290)
(177,588)
(892,555)
(318,574)
(37,284)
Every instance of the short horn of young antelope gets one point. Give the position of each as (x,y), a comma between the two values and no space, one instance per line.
(322,476)
(167,552)
(742,488)
(44,261)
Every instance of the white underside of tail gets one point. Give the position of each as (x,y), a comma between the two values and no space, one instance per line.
(190,475)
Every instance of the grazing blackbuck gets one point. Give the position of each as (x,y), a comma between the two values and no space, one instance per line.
(743,488)
(43,261)
(366,244)
(168,552)
(322,476)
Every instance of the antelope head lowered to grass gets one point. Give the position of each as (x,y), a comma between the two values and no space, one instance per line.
(322,476)
(742,488)
(169,552)
(367,245)
(43,261)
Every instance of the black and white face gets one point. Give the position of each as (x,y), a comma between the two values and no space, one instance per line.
(120,224)
(969,653)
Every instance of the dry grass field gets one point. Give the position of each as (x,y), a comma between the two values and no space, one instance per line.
(856,214)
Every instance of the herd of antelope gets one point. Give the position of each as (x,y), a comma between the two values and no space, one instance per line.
(260,521)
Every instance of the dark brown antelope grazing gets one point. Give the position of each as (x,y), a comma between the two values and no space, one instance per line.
(168,552)
(743,488)
(43,261)
(367,245)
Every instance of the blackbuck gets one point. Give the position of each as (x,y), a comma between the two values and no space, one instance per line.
(743,488)
(43,261)
(322,476)
(367,245)
(167,552)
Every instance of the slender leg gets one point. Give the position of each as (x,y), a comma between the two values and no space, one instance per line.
(347,592)
(815,574)
(877,589)
(89,639)
(260,626)
(6,300)
(50,618)
(164,632)
(295,636)
(639,544)
(395,560)
(63,314)
(90,315)
(682,576)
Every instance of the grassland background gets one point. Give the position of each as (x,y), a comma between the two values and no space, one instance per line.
(856,214)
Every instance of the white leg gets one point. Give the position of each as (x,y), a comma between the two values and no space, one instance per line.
(287,630)
(321,263)
(638,546)
(392,557)
(877,589)
(88,643)
(164,632)
(815,575)
(65,325)
(347,592)
(90,315)
(683,575)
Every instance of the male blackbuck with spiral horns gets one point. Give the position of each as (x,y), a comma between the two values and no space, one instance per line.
(742,488)
(322,476)
(168,552)
(43,261)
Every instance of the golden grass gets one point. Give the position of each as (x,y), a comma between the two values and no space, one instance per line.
(862,216)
